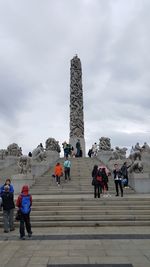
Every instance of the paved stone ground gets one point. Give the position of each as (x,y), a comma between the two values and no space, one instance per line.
(89,246)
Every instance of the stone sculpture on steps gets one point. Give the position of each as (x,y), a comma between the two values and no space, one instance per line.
(3,154)
(14,150)
(137,166)
(119,153)
(39,154)
(53,145)
(24,164)
(104,144)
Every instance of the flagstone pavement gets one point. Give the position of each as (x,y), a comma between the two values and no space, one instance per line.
(55,246)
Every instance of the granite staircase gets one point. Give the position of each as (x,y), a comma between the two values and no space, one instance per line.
(73,203)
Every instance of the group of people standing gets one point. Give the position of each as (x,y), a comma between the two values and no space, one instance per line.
(24,203)
(70,151)
(100,178)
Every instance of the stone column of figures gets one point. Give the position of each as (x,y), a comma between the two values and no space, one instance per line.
(76,99)
(76,103)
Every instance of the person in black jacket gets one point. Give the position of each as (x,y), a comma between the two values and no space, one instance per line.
(97,185)
(8,209)
(118,180)
(124,170)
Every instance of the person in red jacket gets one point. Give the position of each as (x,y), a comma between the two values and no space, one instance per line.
(58,171)
(24,203)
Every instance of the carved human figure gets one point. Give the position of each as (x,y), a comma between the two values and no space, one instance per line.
(38,154)
(14,150)
(145,147)
(24,164)
(119,153)
(136,152)
(53,145)
(104,144)
(137,166)
(137,147)
(3,154)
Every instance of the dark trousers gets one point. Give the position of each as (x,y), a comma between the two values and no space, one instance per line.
(25,222)
(67,173)
(58,179)
(118,183)
(97,191)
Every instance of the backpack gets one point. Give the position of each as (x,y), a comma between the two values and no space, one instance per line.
(99,175)
(25,204)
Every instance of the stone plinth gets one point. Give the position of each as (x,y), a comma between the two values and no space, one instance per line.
(8,161)
(140,182)
(146,161)
(104,156)
(39,168)
(18,180)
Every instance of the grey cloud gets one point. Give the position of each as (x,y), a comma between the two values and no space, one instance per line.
(38,39)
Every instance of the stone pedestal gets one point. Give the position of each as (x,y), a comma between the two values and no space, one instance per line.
(8,161)
(104,156)
(140,182)
(18,180)
(39,168)
(73,141)
(146,161)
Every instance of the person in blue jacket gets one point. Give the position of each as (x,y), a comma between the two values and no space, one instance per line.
(7,182)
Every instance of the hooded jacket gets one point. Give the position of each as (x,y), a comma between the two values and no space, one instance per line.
(58,170)
(24,192)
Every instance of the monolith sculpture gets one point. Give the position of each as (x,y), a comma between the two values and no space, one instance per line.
(76,105)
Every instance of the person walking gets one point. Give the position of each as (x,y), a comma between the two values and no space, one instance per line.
(58,172)
(95,182)
(24,203)
(67,166)
(8,206)
(118,180)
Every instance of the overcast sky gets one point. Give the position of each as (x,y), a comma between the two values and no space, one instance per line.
(37,41)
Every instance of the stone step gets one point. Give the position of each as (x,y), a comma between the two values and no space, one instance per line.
(68,185)
(97,213)
(63,192)
(84,217)
(73,203)
(92,201)
(85,223)
(84,208)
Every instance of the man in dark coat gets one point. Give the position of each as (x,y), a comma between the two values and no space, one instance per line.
(8,209)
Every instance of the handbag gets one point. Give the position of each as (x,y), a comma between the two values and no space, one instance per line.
(93,181)
(18,215)
(99,178)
